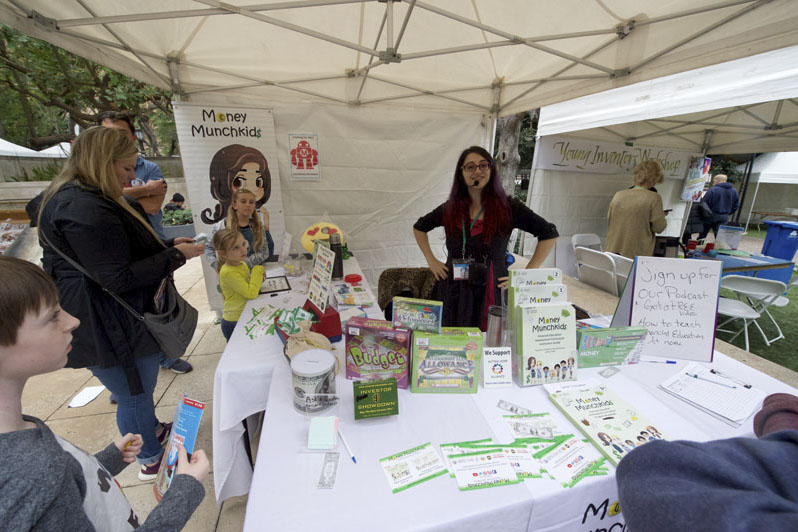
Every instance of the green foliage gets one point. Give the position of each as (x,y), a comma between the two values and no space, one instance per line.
(178,217)
(722,164)
(45,90)
(38,173)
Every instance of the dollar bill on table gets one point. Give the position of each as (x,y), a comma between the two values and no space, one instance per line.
(609,371)
(510,407)
(329,470)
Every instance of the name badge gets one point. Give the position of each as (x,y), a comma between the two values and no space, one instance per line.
(460,270)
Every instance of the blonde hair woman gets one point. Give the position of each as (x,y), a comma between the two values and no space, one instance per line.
(85,216)
(636,215)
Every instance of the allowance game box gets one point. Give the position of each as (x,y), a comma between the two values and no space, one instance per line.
(417,314)
(448,362)
(375,350)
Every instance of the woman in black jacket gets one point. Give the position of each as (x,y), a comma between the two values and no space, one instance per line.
(84,215)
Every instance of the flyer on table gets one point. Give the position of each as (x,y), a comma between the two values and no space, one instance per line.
(412,467)
(482,469)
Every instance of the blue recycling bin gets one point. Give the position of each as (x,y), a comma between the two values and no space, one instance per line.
(781,241)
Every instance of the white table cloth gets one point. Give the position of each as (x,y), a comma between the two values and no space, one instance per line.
(284,495)
(242,382)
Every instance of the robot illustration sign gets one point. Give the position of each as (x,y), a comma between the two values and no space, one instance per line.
(304,152)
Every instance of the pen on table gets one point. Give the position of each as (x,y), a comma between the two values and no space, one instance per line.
(659,361)
(738,381)
(693,375)
(346,444)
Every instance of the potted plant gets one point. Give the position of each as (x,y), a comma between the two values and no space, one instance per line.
(178,223)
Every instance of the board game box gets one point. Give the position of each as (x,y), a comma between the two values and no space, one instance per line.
(417,314)
(448,362)
(375,350)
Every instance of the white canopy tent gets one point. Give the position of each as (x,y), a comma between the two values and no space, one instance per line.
(725,108)
(778,172)
(360,60)
(13,150)
(59,150)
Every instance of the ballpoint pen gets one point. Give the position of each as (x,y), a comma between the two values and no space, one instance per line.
(734,379)
(693,375)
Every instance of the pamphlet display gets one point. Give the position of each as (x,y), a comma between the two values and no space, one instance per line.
(677,301)
(417,314)
(375,350)
(614,426)
(185,427)
(448,362)
(412,467)
(546,339)
(608,347)
(320,277)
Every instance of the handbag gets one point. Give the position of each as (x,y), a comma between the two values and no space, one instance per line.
(172,327)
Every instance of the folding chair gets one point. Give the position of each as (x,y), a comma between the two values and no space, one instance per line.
(587,240)
(754,296)
(623,266)
(596,268)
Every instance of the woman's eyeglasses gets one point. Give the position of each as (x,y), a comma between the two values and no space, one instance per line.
(470,168)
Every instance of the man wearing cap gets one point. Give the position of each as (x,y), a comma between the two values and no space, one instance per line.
(149,188)
(724,201)
(176,203)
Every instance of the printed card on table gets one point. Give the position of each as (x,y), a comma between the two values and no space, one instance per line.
(321,275)
(412,467)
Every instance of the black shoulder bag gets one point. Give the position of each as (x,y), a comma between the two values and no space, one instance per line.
(172,328)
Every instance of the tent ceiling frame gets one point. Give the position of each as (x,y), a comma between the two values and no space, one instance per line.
(390,54)
(757,137)
(689,123)
(127,47)
(666,131)
(706,123)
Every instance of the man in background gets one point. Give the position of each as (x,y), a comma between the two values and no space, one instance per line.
(149,188)
(176,204)
(724,201)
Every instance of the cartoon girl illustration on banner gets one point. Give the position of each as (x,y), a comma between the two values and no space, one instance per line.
(232,168)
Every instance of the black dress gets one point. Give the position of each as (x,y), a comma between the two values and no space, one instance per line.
(463,302)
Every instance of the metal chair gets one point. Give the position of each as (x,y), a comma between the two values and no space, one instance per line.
(754,296)
(596,268)
(587,240)
(623,266)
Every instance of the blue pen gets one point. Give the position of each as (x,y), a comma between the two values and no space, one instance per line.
(659,361)
(349,450)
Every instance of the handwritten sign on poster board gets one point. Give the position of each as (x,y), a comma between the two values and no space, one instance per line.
(677,301)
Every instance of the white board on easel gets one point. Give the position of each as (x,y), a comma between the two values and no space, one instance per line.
(677,301)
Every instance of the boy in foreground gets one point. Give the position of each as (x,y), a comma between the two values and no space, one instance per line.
(46,483)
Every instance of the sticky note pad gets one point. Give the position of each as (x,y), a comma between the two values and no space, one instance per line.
(323,433)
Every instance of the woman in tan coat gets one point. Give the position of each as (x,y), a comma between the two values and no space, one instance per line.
(636,214)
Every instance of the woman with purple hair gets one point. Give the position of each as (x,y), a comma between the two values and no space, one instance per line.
(478,219)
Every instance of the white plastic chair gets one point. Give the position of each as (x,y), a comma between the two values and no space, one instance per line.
(754,296)
(596,268)
(587,240)
(623,266)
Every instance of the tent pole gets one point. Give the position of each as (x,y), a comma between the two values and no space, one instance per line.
(748,171)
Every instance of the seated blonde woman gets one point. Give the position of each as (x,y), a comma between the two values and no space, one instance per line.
(636,214)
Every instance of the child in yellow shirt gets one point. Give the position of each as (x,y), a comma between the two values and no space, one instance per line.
(237,282)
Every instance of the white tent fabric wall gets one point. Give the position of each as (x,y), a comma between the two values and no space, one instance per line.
(380,171)
(772,187)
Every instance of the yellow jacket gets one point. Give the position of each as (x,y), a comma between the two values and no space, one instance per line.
(238,285)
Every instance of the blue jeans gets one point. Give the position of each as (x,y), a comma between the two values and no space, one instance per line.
(165,362)
(135,413)
(227,328)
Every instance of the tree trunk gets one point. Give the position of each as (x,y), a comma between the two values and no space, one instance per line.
(507,157)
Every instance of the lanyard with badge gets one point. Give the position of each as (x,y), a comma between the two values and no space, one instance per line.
(460,268)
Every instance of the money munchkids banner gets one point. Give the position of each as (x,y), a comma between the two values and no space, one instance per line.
(225,149)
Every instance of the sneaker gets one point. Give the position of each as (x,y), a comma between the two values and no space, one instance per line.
(181,366)
(149,472)
(164,437)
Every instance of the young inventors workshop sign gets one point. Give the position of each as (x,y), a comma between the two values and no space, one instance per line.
(226,149)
